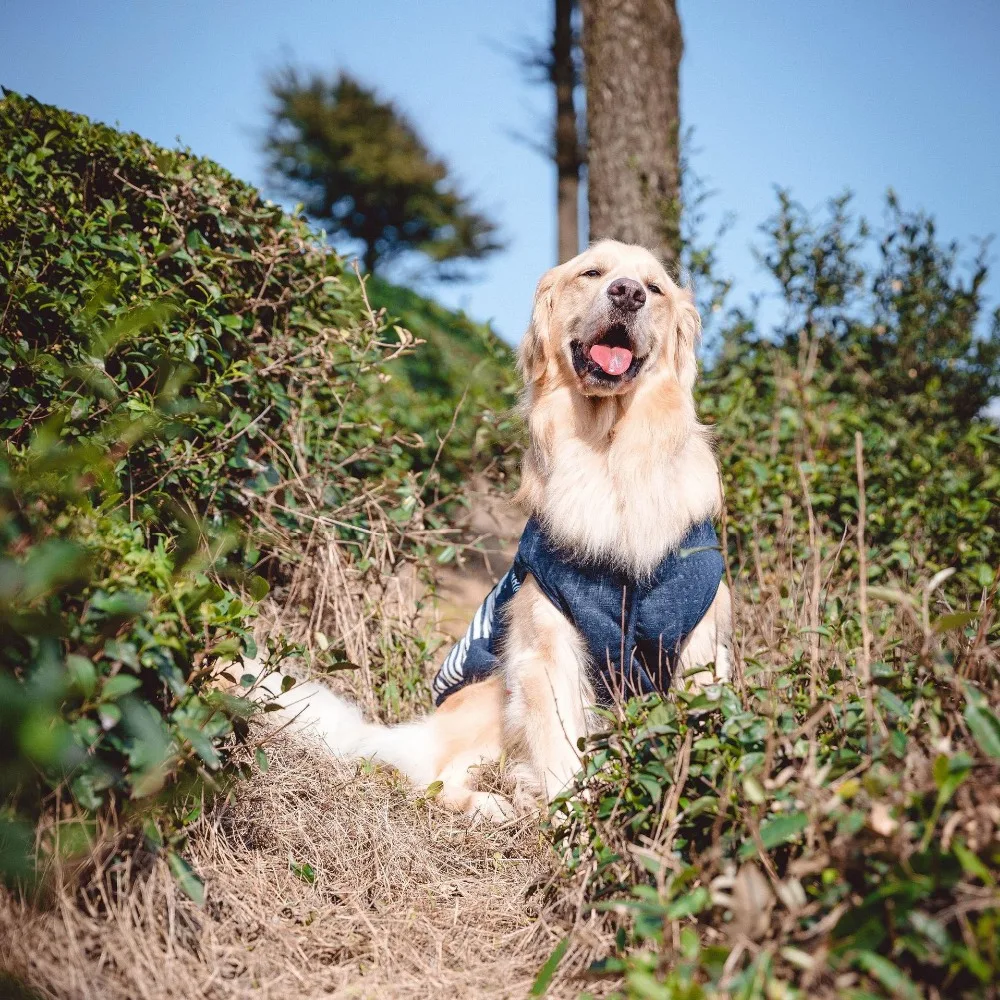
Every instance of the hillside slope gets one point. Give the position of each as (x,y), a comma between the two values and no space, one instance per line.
(200,408)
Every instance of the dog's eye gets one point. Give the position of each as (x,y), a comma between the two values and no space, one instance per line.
(655,289)
(592,273)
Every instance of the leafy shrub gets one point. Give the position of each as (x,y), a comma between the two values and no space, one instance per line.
(788,405)
(196,406)
(108,644)
(756,848)
(895,322)
(788,443)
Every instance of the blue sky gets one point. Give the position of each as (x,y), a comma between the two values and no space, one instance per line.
(816,96)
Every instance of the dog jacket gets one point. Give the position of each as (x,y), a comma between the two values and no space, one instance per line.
(633,629)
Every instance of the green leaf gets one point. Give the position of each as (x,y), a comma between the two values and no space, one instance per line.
(958,619)
(893,703)
(433,789)
(971,864)
(119,685)
(651,784)
(83,673)
(544,978)
(941,769)
(86,788)
(753,790)
(110,715)
(930,928)
(891,977)
(302,870)
(690,945)
(191,885)
(985,729)
(777,830)
(202,744)
(75,836)
(154,838)
(261,757)
(125,652)
(259,588)
(689,904)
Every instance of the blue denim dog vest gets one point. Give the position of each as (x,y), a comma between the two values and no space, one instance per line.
(633,629)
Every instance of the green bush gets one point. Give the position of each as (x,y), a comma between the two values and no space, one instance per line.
(753,856)
(880,341)
(191,386)
(931,490)
(892,316)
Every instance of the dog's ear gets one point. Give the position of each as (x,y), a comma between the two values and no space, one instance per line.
(688,336)
(533,354)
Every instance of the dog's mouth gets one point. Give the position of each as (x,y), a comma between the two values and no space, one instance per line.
(609,360)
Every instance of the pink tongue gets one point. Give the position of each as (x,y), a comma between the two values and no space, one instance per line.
(614,360)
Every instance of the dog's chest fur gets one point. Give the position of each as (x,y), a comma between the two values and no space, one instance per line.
(616,486)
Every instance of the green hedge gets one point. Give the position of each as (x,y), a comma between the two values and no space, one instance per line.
(188,379)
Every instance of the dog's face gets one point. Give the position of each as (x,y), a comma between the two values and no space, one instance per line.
(608,318)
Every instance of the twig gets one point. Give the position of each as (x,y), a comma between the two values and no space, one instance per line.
(813,593)
(364,295)
(866,638)
(669,814)
(442,441)
(17,268)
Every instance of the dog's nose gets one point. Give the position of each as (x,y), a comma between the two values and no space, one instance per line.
(627,294)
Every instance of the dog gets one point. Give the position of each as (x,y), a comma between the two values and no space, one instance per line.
(621,486)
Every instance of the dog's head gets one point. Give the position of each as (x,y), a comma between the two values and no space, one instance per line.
(608,318)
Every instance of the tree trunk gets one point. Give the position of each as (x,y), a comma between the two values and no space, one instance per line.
(632,54)
(567,138)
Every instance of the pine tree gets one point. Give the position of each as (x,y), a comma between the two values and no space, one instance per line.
(362,171)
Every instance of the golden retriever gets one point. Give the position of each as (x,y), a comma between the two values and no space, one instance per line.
(617,470)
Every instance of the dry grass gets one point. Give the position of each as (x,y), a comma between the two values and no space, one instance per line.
(407,901)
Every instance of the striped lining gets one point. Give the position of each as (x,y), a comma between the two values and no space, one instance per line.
(452,673)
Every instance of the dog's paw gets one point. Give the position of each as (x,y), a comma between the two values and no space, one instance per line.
(723,666)
(489,807)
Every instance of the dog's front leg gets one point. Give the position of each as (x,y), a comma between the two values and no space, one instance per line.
(710,643)
(547,690)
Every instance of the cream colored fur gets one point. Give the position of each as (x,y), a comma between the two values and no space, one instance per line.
(620,472)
